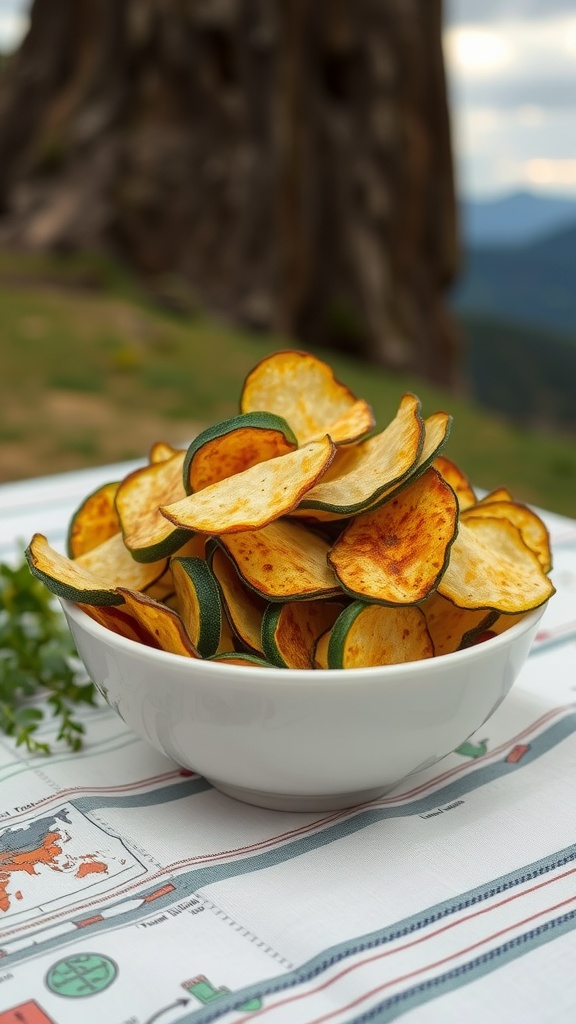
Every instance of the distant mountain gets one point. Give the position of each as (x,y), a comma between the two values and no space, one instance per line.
(525,373)
(532,284)
(514,219)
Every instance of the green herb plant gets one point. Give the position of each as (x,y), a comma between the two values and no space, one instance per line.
(39,670)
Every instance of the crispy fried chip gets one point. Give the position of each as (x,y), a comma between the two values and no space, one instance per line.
(304,391)
(164,624)
(283,561)
(94,521)
(436,432)
(453,628)
(370,634)
(243,606)
(397,553)
(235,445)
(161,451)
(199,603)
(147,534)
(93,577)
(250,500)
(241,658)
(290,631)
(360,473)
(118,619)
(458,480)
(534,533)
(491,567)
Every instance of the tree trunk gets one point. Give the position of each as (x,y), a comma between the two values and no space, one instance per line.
(290,159)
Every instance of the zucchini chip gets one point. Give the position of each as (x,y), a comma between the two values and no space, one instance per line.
(118,619)
(163,623)
(94,577)
(235,445)
(198,603)
(458,481)
(320,656)
(436,432)
(290,631)
(396,553)
(242,658)
(304,391)
(453,628)
(161,451)
(365,635)
(534,533)
(360,473)
(499,494)
(94,521)
(244,608)
(283,561)
(250,500)
(491,567)
(147,534)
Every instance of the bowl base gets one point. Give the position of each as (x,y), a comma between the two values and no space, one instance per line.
(300,802)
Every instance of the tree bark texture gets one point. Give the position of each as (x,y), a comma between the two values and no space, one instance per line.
(289,159)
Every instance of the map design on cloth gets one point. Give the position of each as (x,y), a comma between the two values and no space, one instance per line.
(55,858)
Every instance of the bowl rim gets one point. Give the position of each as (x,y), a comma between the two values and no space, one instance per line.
(475,653)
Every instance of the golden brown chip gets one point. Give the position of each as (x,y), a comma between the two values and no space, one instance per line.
(453,628)
(94,521)
(119,620)
(320,656)
(304,391)
(199,604)
(397,553)
(360,473)
(161,451)
(498,494)
(534,532)
(458,481)
(164,624)
(491,567)
(146,532)
(243,606)
(250,500)
(290,631)
(112,561)
(93,577)
(235,445)
(370,634)
(283,561)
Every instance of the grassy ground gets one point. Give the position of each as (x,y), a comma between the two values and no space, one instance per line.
(92,372)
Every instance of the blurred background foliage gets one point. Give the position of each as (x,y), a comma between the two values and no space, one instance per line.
(187,186)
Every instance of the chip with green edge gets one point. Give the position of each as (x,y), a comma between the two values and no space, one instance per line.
(365,635)
(397,553)
(198,603)
(147,533)
(255,497)
(290,630)
(491,567)
(234,445)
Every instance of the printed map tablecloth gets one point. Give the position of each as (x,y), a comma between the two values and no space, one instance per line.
(132,892)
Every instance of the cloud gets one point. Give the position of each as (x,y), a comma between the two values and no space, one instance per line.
(511,69)
(464,12)
(13,23)
(12,28)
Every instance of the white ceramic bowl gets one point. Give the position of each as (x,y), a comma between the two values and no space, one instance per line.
(295,739)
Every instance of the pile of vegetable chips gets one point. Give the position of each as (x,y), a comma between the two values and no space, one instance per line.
(297,535)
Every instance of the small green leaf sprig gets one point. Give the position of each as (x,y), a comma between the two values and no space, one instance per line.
(37,660)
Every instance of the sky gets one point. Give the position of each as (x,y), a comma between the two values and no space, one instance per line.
(511,68)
